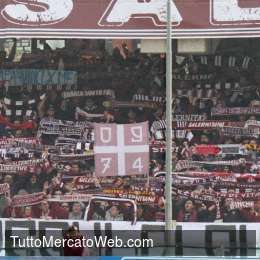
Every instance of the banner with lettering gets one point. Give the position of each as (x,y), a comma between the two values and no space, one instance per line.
(28,199)
(205,239)
(22,77)
(129,19)
(220,149)
(121,149)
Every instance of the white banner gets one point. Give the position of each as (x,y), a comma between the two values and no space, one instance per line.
(202,236)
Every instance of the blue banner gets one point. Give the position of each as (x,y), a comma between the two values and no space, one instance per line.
(25,77)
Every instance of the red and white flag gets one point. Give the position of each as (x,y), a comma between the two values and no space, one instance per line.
(121,149)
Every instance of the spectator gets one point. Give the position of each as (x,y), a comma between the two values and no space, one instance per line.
(252,215)
(28,212)
(77,211)
(231,215)
(113,214)
(74,234)
(140,213)
(53,211)
(188,213)
(33,185)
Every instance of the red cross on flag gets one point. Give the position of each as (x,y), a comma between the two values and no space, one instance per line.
(121,149)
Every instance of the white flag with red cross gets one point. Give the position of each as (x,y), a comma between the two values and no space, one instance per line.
(121,149)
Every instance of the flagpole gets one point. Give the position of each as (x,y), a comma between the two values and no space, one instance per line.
(168,179)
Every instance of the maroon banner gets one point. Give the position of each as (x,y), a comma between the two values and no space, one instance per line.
(28,199)
(128,19)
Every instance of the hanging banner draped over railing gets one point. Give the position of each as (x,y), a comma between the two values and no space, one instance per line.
(128,19)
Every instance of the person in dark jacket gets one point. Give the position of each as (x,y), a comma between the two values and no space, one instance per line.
(206,214)
(230,214)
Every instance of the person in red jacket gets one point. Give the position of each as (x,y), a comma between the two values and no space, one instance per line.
(74,235)
(188,213)
(28,212)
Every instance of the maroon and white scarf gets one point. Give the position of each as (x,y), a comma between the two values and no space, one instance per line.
(206,77)
(186,164)
(219,149)
(241,204)
(72,157)
(21,167)
(243,62)
(62,128)
(33,162)
(249,177)
(137,195)
(189,117)
(199,125)
(12,168)
(28,199)
(225,111)
(11,141)
(240,131)
(89,93)
(141,97)
(252,124)
(208,91)
(70,198)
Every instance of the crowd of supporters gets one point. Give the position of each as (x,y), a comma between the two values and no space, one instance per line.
(215,138)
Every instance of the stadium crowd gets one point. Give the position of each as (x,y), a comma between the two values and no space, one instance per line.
(47,160)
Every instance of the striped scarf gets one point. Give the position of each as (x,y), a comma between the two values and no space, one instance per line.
(239,131)
(242,62)
(225,111)
(141,97)
(89,93)
(187,164)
